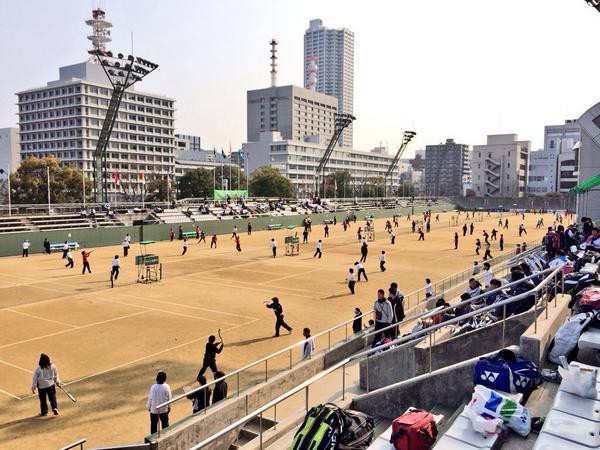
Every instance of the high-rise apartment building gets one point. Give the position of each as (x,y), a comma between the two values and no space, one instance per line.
(562,140)
(332,50)
(64,118)
(447,168)
(293,111)
(499,168)
(9,149)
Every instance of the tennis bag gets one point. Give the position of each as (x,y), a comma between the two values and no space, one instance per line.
(507,372)
(328,427)
(414,430)
(565,340)
(588,300)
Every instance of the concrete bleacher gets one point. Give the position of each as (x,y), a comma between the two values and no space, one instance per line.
(12,225)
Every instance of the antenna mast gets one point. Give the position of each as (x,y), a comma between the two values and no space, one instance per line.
(100,33)
(273,44)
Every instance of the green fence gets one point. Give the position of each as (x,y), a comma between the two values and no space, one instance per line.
(10,243)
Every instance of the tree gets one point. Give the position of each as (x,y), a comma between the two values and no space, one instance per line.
(405,189)
(340,179)
(29,184)
(268,182)
(470,193)
(158,191)
(199,183)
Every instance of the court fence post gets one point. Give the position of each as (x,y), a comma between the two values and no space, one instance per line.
(290,359)
(266,370)
(238,383)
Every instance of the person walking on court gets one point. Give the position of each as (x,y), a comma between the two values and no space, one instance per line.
(238,246)
(477,246)
(392,237)
(213,241)
(171,234)
(455,241)
(359,233)
(326,230)
(249,229)
(522,230)
(221,387)
(202,237)
(506,224)
(382,261)
(318,249)
(428,225)
(185,246)
(360,270)
(45,379)
(126,244)
(274,247)
(465,229)
(487,253)
(115,267)
(209,361)
(351,280)
(65,250)
(501,242)
(160,392)
(278,310)
(305,236)
(308,347)
(70,262)
(421,234)
(47,246)
(234,233)
(85,256)
(364,251)
(494,237)
(26,246)
(414,224)
(471,228)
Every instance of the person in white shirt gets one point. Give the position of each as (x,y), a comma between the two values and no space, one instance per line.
(234,233)
(70,262)
(274,247)
(116,265)
(476,268)
(26,246)
(126,244)
(487,275)
(308,347)
(45,379)
(351,280)
(160,392)
(360,269)
(384,315)
(382,261)
(65,250)
(428,288)
(185,246)
(318,249)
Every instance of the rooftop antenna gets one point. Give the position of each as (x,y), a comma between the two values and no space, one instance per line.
(312,72)
(273,44)
(100,33)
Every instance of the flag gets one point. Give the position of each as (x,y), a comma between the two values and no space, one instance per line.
(223,154)
(142,179)
(116,177)
(242,156)
(215,152)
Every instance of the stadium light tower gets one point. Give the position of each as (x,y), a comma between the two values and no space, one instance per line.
(594,4)
(407,136)
(122,72)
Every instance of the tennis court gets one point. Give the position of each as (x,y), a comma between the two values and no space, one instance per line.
(108,343)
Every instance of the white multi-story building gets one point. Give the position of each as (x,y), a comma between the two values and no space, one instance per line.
(333,52)
(499,168)
(189,156)
(562,140)
(297,160)
(292,110)
(9,149)
(64,119)
(542,172)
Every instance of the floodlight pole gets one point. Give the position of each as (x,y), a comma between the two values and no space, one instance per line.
(406,138)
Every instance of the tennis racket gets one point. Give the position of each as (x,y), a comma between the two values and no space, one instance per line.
(220,337)
(68,394)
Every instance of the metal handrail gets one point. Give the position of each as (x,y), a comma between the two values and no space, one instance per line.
(305,385)
(80,442)
(291,347)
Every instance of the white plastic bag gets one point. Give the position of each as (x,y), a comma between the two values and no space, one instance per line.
(480,424)
(578,380)
(489,402)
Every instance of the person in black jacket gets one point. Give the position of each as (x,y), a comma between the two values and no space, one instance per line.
(524,286)
(220,392)
(278,310)
(201,398)
(357,322)
(210,356)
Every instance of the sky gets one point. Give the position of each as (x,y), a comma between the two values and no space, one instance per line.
(458,69)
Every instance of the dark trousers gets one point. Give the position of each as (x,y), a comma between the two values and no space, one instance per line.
(455,245)
(114,273)
(213,243)
(281,323)
(421,237)
(184,250)
(25,253)
(305,239)
(64,256)
(274,251)
(48,251)
(208,364)
(327,233)
(501,246)
(363,258)
(164,421)
(238,248)
(363,273)
(382,266)
(487,255)
(351,286)
(86,265)
(70,263)
(125,251)
(393,240)
(317,252)
(379,336)
(49,392)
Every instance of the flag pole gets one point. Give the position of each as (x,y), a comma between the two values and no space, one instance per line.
(83,187)
(9,204)
(48,175)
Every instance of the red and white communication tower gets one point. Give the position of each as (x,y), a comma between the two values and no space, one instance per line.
(312,73)
(100,33)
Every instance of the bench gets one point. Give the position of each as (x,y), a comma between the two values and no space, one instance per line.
(189,234)
(59,247)
(572,423)
(274,226)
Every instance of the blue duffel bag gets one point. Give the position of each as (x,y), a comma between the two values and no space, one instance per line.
(507,372)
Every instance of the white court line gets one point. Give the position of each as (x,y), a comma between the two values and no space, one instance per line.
(15,366)
(73,329)
(40,318)
(265,283)
(249,286)
(10,395)
(194,341)
(168,312)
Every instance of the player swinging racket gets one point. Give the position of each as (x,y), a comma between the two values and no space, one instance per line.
(278,310)
(210,354)
(85,256)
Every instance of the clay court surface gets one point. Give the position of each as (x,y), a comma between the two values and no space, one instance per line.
(108,343)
